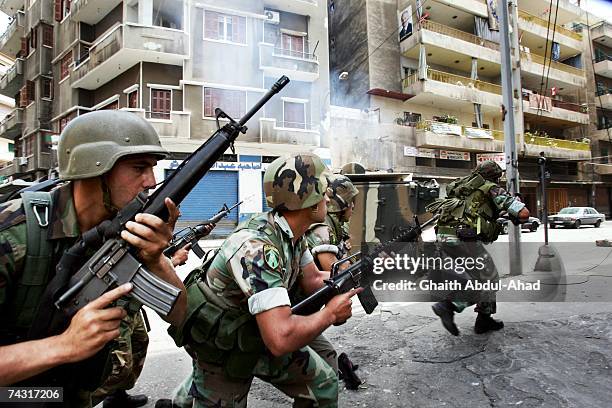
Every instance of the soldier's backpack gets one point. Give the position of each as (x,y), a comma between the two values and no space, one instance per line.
(468,204)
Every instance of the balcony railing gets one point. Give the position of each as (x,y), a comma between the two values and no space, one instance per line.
(16,23)
(554,64)
(10,127)
(557,143)
(101,51)
(544,23)
(465,130)
(461,35)
(13,77)
(453,79)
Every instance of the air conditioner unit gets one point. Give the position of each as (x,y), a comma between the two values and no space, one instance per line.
(22,161)
(272,17)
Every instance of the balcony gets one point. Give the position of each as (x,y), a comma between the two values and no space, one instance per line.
(12,81)
(444,90)
(566,113)
(125,45)
(271,131)
(556,148)
(439,135)
(603,67)
(91,11)
(11,125)
(602,33)
(538,27)
(41,10)
(603,169)
(605,98)
(10,7)
(10,42)
(298,65)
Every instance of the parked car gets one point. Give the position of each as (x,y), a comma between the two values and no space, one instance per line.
(576,217)
(531,225)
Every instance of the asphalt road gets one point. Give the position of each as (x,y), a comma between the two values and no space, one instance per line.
(548,355)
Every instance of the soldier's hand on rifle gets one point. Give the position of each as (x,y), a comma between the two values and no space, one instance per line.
(93,326)
(180,257)
(151,235)
(341,306)
(523,215)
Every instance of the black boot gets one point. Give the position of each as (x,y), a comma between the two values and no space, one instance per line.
(445,311)
(485,323)
(123,399)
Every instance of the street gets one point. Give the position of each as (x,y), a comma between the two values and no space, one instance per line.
(548,355)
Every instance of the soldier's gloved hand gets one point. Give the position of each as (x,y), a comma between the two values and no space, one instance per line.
(341,306)
(151,235)
(523,215)
(93,326)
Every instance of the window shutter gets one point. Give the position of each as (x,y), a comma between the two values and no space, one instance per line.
(58,10)
(241,38)
(67,6)
(211,25)
(23,96)
(24,46)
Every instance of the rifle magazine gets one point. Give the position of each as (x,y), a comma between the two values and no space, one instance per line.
(154,292)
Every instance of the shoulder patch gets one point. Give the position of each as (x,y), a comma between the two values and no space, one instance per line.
(271,256)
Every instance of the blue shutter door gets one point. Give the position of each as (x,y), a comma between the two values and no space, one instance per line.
(207,198)
(264,204)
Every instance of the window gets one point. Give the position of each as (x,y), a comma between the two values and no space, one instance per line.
(161,103)
(66,119)
(26,94)
(33,40)
(294,115)
(224,27)
(11,147)
(65,65)
(133,99)
(293,45)
(62,9)
(47,35)
(47,88)
(231,101)
(25,47)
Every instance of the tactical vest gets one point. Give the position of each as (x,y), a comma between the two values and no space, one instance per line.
(225,337)
(468,204)
(29,292)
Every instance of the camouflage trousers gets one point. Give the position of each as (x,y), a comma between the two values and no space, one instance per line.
(305,375)
(128,356)
(485,301)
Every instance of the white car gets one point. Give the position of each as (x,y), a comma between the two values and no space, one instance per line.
(576,217)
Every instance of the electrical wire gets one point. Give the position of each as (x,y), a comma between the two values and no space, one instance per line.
(551,56)
(545,48)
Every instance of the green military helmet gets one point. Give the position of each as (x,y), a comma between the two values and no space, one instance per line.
(489,170)
(296,182)
(353,168)
(91,144)
(341,193)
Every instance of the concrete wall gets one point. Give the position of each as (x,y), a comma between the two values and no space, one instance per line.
(164,75)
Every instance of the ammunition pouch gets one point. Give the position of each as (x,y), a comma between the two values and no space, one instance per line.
(466,233)
(224,337)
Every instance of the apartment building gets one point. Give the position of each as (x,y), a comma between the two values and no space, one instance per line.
(173,62)
(423,80)
(600,92)
(7,105)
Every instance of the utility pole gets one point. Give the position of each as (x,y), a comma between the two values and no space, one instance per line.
(507,68)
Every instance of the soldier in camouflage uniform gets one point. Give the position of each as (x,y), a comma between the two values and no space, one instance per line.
(468,218)
(105,159)
(239,322)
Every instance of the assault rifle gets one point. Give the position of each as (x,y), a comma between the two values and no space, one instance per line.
(115,262)
(194,234)
(351,277)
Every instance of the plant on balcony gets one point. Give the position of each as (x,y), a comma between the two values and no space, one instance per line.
(584,109)
(450,119)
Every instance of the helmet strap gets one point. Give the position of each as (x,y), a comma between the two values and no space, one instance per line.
(106,196)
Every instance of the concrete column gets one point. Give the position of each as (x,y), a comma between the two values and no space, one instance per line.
(145,12)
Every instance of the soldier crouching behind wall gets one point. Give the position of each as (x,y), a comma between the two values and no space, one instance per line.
(239,323)
(468,218)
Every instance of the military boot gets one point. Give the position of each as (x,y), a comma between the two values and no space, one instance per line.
(123,399)
(446,311)
(165,403)
(485,323)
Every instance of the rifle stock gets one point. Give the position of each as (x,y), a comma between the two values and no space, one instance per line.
(115,262)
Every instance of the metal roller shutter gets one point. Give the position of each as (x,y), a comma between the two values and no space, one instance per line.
(207,198)
(264,204)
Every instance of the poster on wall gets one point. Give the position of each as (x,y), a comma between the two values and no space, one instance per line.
(405,23)
(454,155)
(498,158)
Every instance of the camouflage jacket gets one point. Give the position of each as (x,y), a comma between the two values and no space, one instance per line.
(62,231)
(252,273)
(327,237)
